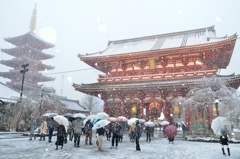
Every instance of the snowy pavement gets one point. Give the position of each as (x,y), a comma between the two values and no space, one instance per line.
(159,148)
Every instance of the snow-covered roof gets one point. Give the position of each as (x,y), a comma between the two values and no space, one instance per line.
(8,94)
(73,105)
(30,39)
(161,42)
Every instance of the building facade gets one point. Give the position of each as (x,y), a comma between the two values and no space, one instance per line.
(142,75)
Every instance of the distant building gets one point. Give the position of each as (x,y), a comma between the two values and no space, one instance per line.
(28,50)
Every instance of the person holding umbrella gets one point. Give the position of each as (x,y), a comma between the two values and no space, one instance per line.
(88,130)
(77,127)
(116,134)
(137,133)
(224,140)
(61,136)
(100,133)
(148,133)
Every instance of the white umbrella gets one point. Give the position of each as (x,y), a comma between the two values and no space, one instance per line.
(102,115)
(142,120)
(61,120)
(130,121)
(219,125)
(122,118)
(164,123)
(100,124)
(91,117)
(150,124)
(50,114)
(79,115)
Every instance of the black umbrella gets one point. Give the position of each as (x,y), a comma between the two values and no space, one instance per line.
(68,115)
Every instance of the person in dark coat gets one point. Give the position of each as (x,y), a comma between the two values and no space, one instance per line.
(116,134)
(224,141)
(88,130)
(77,127)
(137,133)
(50,125)
(61,136)
(148,133)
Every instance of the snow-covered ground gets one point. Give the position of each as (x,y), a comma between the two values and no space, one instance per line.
(159,148)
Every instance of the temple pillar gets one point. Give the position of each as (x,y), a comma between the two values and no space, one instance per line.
(122,112)
(141,110)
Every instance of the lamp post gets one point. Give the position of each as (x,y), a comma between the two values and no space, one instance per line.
(216,104)
(23,71)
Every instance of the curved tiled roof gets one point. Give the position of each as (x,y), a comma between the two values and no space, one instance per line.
(27,50)
(161,42)
(30,39)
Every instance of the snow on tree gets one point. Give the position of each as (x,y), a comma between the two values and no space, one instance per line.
(93,104)
(201,98)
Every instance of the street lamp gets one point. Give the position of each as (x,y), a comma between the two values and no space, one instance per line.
(23,71)
(216,104)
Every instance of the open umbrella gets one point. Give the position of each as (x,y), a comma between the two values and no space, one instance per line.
(149,123)
(100,124)
(68,115)
(102,115)
(90,117)
(79,115)
(142,120)
(50,114)
(112,119)
(61,120)
(170,131)
(164,123)
(219,125)
(122,118)
(130,121)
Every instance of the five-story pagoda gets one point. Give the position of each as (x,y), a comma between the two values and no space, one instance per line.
(28,50)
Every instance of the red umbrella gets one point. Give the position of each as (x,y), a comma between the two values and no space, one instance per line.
(170,131)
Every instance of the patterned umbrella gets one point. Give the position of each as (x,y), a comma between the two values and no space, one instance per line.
(122,118)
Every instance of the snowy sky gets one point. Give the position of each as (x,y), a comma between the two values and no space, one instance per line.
(83,26)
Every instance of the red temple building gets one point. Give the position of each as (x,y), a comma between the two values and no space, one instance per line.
(28,50)
(142,75)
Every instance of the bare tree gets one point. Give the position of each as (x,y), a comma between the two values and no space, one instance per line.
(93,104)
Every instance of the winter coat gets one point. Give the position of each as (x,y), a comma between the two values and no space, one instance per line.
(148,130)
(50,123)
(88,127)
(122,128)
(43,127)
(61,135)
(137,131)
(224,140)
(77,126)
(70,127)
(32,125)
(133,126)
(100,131)
(116,129)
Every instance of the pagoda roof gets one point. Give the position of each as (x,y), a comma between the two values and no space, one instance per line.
(33,64)
(30,39)
(27,50)
(148,84)
(32,76)
(181,39)
(27,86)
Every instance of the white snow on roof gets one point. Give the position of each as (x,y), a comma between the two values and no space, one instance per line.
(72,105)
(7,93)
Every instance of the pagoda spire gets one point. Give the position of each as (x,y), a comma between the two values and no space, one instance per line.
(33,19)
